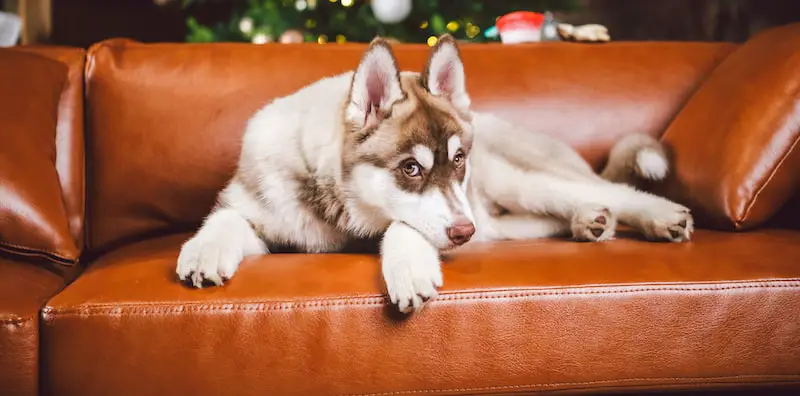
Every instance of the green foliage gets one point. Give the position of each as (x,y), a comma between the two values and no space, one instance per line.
(323,20)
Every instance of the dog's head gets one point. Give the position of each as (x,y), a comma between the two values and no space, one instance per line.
(408,138)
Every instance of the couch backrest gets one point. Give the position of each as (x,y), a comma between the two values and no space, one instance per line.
(164,120)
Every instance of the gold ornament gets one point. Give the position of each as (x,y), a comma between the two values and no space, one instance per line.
(473,30)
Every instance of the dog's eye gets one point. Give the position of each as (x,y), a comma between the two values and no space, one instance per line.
(411,168)
(459,159)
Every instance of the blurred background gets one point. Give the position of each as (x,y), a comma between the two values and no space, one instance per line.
(83,22)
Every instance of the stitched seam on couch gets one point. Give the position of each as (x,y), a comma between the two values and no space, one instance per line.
(688,380)
(377,300)
(31,252)
(764,185)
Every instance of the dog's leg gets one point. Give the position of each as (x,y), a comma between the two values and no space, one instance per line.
(411,267)
(576,203)
(659,219)
(524,226)
(215,251)
(593,206)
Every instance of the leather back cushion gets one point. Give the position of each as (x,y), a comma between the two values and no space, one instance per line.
(70,158)
(165,119)
(735,142)
(33,220)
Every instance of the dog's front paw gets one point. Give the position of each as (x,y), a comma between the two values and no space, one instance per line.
(411,279)
(411,268)
(593,223)
(669,222)
(202,261)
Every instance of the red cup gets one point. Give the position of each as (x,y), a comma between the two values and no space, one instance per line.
(520,27)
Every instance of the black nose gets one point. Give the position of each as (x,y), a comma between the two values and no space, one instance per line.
(461,233)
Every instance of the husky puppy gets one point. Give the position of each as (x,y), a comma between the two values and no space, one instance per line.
(380,153)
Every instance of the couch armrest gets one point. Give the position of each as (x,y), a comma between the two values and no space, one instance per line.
(734,144)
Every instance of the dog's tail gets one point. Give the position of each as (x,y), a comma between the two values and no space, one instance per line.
(636,157)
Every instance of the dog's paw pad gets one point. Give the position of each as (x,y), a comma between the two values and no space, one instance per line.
(593,224)
(671,225)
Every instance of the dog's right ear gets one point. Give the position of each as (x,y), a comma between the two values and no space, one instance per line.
(375,86)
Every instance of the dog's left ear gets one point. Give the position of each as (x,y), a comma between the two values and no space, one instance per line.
(375,86)
(444,73)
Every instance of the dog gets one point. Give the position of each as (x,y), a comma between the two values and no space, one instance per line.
(399,156)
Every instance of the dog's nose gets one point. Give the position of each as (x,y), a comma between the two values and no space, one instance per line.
(461,233)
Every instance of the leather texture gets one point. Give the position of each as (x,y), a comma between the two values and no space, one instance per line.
(70,157)
(512,317)
(33,220)
(746,165)
(175,112)
(24,290)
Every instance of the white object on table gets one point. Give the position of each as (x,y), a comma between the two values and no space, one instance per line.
(10,28)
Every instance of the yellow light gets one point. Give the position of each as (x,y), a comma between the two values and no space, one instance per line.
(453,26)
(472,30)
(347,3)
(333,1)
(322,39)
(423,25)
(341,39)
(310,23)
(432,40)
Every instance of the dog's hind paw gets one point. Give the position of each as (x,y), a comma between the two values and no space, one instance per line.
(594,224)
(672,224)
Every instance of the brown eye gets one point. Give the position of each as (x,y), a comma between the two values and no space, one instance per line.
(458,160)
(412,168)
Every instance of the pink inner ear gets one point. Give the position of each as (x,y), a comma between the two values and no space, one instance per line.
(444,82)
(376,90)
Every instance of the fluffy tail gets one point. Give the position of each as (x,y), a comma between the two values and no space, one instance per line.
(635,158)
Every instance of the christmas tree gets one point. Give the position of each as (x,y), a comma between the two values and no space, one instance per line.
(323,21)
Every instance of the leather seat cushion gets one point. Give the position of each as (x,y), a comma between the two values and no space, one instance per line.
(512,317)
(24,290)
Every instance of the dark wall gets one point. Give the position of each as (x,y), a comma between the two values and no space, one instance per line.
(83,22)
(687,20)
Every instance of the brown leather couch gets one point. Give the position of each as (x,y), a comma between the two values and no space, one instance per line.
(138,138)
